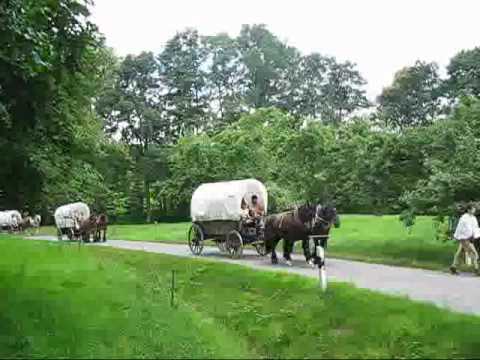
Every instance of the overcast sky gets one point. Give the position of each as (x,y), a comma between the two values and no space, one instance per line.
(381,36)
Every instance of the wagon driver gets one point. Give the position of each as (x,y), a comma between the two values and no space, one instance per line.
(467,230)
(257,210)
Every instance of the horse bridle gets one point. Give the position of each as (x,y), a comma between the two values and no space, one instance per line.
(318,218)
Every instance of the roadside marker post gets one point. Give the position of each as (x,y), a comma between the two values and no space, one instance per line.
(172,290)
(320,259)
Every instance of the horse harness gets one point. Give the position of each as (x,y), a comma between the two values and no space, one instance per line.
(294,213)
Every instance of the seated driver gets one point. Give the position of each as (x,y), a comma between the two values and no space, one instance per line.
(256,210)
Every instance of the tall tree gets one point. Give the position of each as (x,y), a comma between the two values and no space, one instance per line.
(267,60)
(132,108)
(184,79)
(49,56)
(320,87)
(343,91)
(464,74)
(413,99)
(225,78)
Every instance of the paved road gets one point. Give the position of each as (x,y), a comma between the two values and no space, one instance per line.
(458,293)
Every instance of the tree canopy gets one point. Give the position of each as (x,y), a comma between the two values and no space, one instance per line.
(134,136)
(413,99)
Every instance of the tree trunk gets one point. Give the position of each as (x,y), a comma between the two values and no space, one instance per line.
(148,207)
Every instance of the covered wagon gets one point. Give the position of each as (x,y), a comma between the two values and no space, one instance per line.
(68,219)
(216,213)
(10,220)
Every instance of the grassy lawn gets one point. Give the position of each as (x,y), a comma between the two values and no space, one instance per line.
(384,239)
(380,239)
(59,300)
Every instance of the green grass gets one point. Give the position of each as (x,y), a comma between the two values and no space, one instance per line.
(379,239)
(384,239)
(59,300)
(62,301)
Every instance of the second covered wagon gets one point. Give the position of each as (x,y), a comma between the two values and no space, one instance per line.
(68,218)
(216,212)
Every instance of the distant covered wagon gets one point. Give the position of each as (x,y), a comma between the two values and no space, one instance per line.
(216,212)
(10,220)
(68,219)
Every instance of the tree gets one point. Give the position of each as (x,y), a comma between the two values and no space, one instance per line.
(132,107)
(414,97)
(464,74)
(49,60)
(321,88)
(247,148)
(452,165)
(343,91)
(225,76)
(267,61)
(184,81)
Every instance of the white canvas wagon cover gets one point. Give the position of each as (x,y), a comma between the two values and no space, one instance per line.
(222,200)
(65,214)
(10,218)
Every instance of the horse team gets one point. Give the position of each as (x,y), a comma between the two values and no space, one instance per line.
(95,226)
(301,224)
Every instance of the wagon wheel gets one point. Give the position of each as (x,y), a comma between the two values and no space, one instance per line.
(195,239)
(234,244)
(222,246)
(260,247)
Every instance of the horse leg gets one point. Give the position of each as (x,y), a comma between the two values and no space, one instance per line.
(306,251)
(287,251)
(274,254)
(104,234)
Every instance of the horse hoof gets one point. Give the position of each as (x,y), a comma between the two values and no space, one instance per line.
(289,263)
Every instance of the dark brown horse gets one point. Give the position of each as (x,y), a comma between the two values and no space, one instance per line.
(87,227)
(101,226)
(298,224)
(325,217)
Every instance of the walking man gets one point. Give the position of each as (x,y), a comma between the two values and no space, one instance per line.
(467,230)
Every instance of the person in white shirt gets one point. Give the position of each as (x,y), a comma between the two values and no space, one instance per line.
(467,230)
(244,212)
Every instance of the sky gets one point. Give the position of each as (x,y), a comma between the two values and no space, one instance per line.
(380,36)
